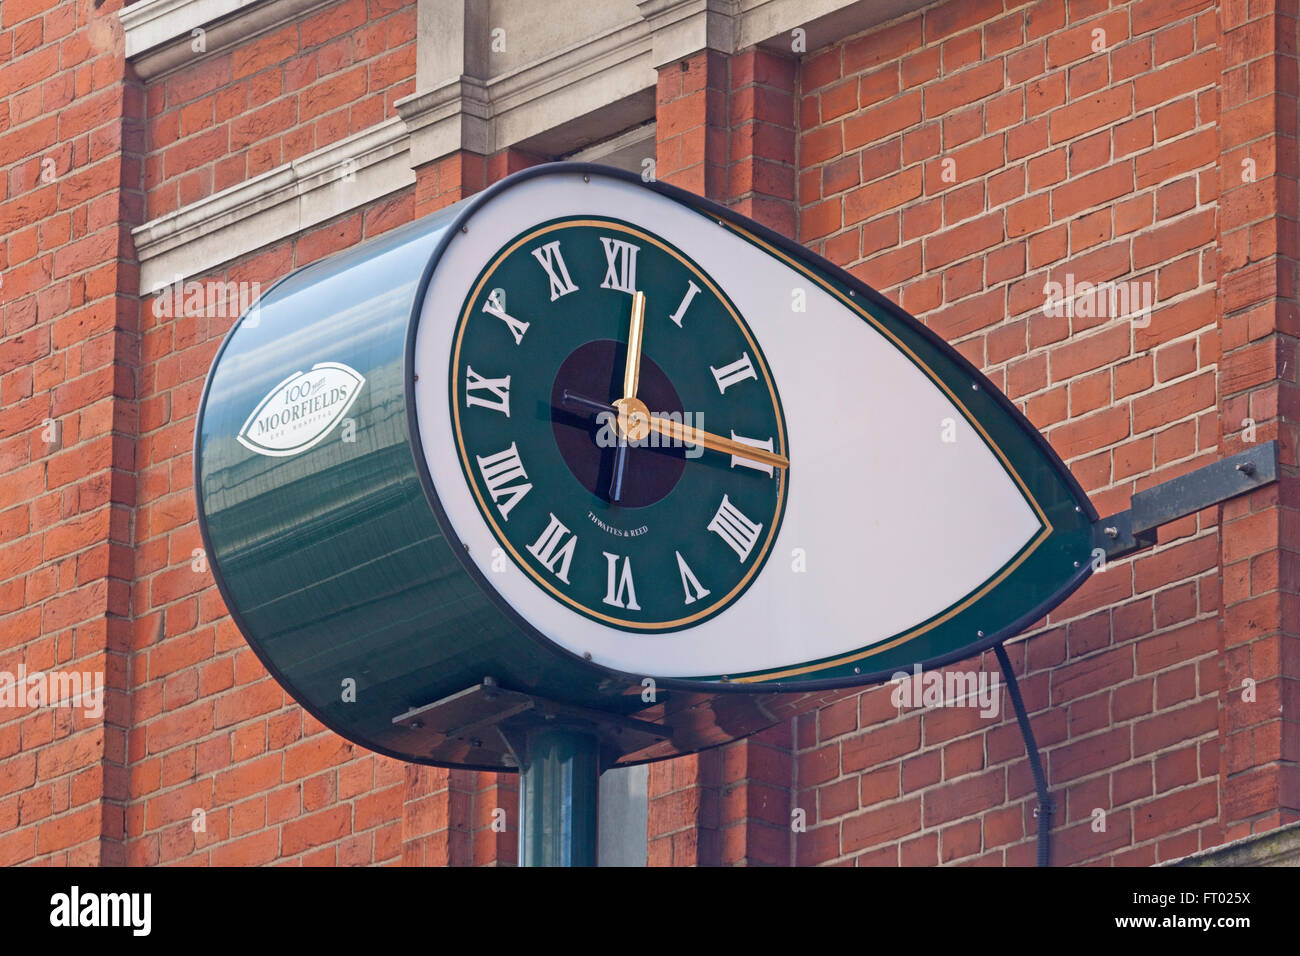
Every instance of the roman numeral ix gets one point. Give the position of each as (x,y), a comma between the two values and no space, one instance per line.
(499,388)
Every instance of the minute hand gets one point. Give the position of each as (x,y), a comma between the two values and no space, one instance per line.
(632,372)
(728,446)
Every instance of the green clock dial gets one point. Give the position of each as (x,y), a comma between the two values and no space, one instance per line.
(649,511)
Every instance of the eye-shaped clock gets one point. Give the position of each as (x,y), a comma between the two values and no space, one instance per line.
(849,485)
(618,424)
(590,442)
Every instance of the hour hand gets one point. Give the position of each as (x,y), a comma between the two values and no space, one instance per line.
(580,403)
(592,407)
(616,479)
(629,417)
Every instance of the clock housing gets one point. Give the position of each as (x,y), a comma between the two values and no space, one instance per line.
(922,519)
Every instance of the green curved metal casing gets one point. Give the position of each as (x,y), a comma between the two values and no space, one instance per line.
(333,562)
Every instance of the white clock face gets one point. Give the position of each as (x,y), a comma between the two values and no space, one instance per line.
(704,563)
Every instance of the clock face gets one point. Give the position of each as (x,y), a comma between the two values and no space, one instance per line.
(635,503)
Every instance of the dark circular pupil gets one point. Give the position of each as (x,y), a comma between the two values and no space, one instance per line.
(595,370)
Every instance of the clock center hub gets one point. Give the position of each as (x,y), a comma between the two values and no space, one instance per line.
(633,419)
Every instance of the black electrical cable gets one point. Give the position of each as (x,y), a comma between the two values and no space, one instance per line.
(1035,761)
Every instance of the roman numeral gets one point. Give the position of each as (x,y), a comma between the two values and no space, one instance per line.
(499,473)
(549,550)
(620,265)
(737,371)
(749,462)
(734,528)
(500,387)
(551,260)
(496,305)
(692,290)
(614,595)
(689,581)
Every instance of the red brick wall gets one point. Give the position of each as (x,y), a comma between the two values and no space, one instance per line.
(238,113)
(1124,163)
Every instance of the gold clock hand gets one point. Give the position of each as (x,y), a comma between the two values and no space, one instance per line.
(632,373)
(697,436)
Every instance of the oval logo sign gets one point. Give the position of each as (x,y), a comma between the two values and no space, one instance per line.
(301,410)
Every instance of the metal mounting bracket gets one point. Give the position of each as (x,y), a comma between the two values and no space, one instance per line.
(487,722)
(1132,530)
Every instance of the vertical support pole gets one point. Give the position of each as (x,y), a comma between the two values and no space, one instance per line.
(558,792)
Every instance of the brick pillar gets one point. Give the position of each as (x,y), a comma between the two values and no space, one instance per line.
(435,817)
(448,180)
(495,836)
(461,174)
(511,160)
(437,803)
(761,160)
(1257,263)
(682,829)
(71,162)
(725,130)
(691,124)
(756,800)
